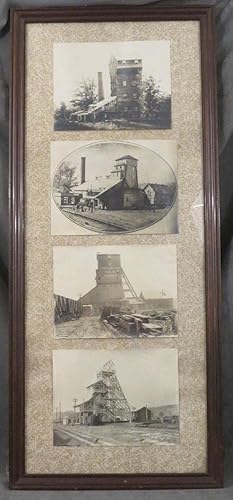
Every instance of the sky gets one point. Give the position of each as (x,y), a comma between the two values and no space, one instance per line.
(101,156)
(151,269)
(76,61)
(148,376)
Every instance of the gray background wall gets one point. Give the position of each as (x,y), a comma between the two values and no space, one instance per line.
(224,25)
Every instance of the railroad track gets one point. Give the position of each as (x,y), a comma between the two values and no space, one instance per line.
(96,224)
(114,221)
(85,438)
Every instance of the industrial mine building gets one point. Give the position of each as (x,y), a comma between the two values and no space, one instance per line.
(112,289)
(124,101)
(114,297)
(117,191)
(112,285)
(107,404)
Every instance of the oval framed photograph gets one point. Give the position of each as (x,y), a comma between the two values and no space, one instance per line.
(114,187)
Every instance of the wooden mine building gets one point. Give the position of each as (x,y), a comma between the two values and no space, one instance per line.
(107,404)
(117,191)
(124,101)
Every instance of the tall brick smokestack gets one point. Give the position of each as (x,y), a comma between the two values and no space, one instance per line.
(83,169)
(100,86)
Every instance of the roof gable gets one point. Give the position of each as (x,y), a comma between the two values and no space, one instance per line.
(126,157)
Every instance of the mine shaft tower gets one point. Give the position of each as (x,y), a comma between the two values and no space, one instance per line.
(112,284)
(107,404)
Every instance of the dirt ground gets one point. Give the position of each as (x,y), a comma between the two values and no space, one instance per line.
(121,434)
(88,327)
(93,327)
(116,221)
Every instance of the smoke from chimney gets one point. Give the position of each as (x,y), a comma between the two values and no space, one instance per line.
(83,169)
(100,86)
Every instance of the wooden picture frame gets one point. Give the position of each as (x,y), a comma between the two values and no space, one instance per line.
(19,478)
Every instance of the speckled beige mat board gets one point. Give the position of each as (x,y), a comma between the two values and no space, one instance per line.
(115,249)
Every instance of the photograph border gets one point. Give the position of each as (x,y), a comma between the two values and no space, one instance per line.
(19,479)
(173,167)
(107,108)
(76,253)
(128,432)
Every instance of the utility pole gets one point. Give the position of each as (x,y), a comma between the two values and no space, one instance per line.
(74,406)
(60,419)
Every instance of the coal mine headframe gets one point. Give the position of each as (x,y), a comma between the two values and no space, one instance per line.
(108,403)
(113,288)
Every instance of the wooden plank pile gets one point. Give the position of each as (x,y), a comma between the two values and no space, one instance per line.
(138,324)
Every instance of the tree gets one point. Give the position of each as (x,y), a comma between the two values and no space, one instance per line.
(85,95)
(113,73)
(62,114)
(65,179)
(153,102)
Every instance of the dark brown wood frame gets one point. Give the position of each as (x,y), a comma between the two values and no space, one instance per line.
(19,479)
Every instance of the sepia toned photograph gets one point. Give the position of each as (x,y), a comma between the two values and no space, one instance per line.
(115,291)
(114,187)
(115,398)
(112,86)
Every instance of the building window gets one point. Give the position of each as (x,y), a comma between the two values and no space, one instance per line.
(136,61)
(125,95)
(73,200)
(124,83)
(123,62)
(135,94)
(65,199)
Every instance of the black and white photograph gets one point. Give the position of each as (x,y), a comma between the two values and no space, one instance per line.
(112,86)
(115,398)
(115,291)
(114,187)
